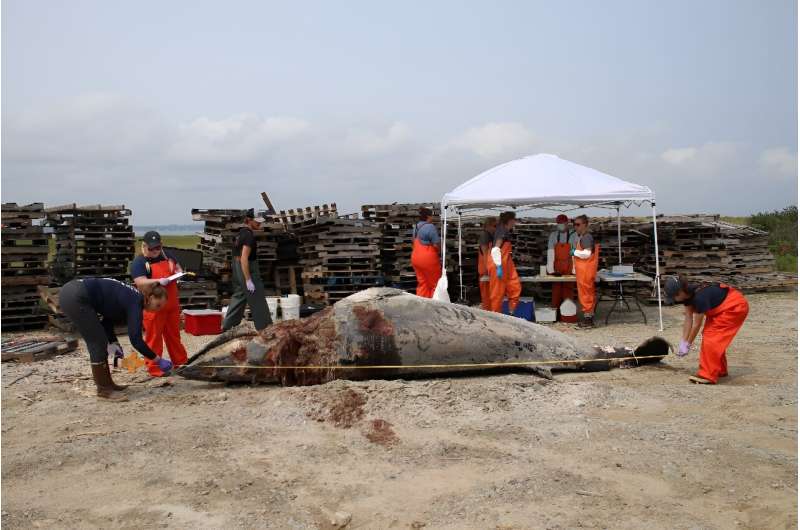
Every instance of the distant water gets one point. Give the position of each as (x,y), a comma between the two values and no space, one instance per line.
(170,230)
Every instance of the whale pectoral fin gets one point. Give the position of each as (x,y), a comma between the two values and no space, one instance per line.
(541,371)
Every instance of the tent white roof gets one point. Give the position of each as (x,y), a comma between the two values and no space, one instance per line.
(544,180)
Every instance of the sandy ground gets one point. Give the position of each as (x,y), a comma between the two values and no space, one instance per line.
(629,448)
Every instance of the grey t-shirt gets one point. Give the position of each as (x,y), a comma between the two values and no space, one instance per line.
(486,239)
(501,232)
(587,242)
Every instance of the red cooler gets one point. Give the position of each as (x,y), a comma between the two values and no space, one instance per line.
(202,321)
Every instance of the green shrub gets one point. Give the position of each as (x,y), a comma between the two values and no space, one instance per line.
(782,228)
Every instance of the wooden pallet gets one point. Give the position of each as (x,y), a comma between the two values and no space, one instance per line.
(36,349)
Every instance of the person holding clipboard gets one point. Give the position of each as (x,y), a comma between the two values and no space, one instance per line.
(156,266)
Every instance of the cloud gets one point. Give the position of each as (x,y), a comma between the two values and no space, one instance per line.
(708,159)
(496,140)
(779,161)
(679,156)
(236,139)
(89,128)
(102,148)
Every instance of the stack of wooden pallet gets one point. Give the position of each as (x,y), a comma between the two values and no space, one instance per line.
(218,239)
(530,241)
(24,266)
(200,294)
(339,257)
(295,217)
(396,223)
(50,299)
(471,229)
(91,240)
(705,248)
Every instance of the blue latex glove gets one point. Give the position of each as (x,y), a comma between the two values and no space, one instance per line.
(499,271)
(684,348)
(164,365)
(251,287)
(116,350)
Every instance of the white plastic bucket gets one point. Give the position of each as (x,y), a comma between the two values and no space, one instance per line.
(272,304)
(568,308)
(290,307)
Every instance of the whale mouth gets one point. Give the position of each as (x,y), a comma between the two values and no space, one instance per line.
(652,350)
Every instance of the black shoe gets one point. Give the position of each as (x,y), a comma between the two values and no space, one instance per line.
(587,322)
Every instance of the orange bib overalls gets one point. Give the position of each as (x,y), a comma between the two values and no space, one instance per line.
(508,286)
(425,260)
(562,265)
(722,324)
(585,274)
(164,325)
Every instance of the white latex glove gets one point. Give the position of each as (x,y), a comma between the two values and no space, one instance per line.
(163,281)
(551,261)
(497,256)
(583,254)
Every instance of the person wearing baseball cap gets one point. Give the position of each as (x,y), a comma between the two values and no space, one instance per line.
(154,267)
(724,310)
(560,245)
(248,289)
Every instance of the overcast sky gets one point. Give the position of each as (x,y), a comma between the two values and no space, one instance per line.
(166,106)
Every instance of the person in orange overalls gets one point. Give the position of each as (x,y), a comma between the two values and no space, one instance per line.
(154,266)
(724,310)
(503,278)
(586,257)
(485,244)
(425,254)
(560,246)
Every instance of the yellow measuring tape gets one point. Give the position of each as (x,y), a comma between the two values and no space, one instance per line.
(410,366)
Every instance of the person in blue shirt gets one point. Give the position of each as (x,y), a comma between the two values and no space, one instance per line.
(425,254)
(95,305)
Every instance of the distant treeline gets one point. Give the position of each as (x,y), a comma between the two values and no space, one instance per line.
(167,229)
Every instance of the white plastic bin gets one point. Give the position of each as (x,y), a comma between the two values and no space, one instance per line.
(290,307)
(272,304)
(545,314)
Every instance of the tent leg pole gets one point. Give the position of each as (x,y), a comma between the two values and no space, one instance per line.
(444,237)
(460,272)
(619,235)
(658,271)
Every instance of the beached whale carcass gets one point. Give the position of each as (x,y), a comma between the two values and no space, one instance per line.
(382,327)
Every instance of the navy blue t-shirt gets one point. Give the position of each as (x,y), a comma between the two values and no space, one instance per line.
(246,237)
(139,264)
(119,303)
(707,298)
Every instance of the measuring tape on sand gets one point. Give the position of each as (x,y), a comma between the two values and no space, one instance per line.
(429,366)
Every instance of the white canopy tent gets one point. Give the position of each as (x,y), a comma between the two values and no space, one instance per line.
(547,182)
